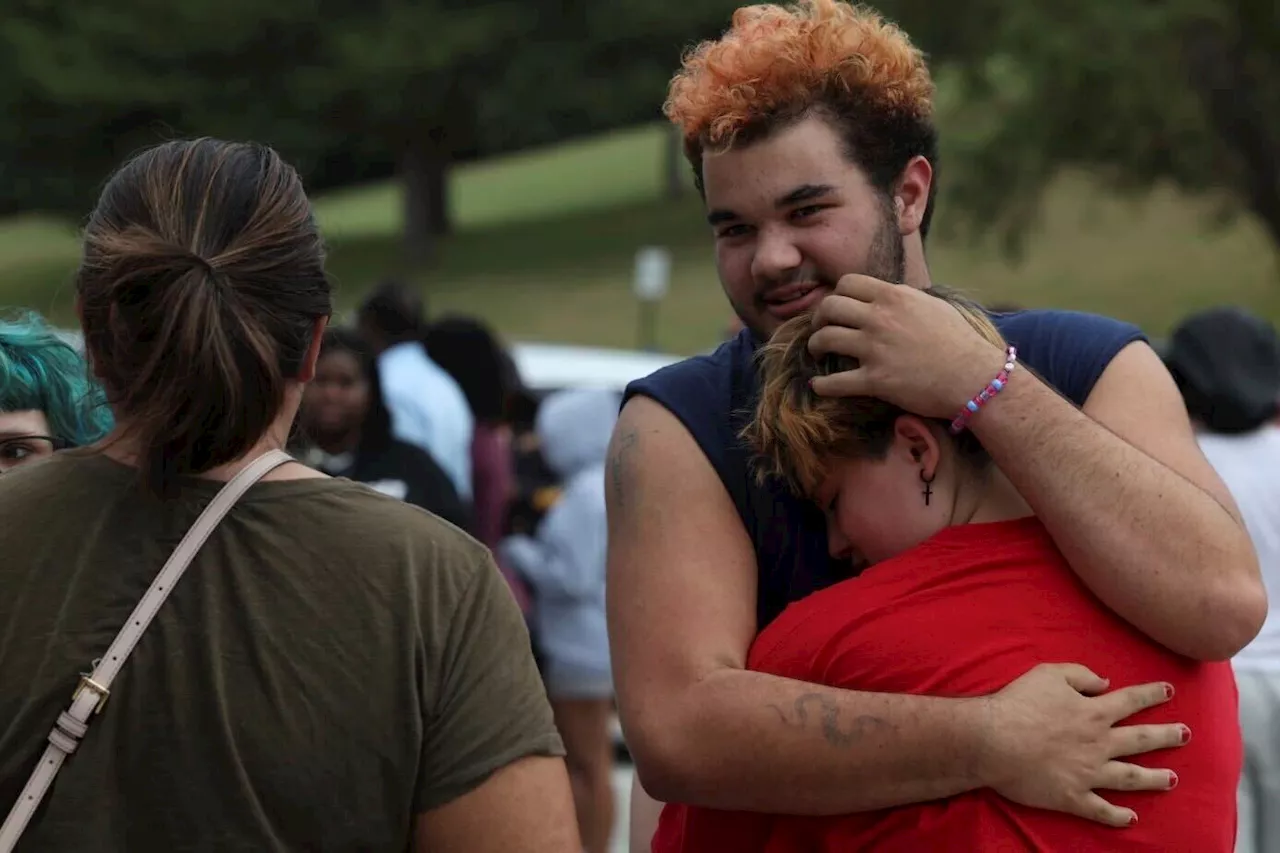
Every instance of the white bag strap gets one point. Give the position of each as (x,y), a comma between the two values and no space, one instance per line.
(94,688)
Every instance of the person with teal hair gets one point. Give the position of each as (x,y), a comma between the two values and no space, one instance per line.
(47,399)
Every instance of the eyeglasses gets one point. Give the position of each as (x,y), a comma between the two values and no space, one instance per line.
(21,449)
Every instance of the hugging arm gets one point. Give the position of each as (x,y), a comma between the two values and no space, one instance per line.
(706,731)
(1137,510)
(1122,485)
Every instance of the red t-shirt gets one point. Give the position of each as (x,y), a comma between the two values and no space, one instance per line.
(964,614)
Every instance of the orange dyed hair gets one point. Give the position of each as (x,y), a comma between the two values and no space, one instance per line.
(777,65)
(795,433)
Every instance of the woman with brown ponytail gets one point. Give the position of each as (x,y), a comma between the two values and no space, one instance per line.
(335,670)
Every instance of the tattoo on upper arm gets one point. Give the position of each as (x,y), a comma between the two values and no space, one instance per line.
(621,451)
(837,732)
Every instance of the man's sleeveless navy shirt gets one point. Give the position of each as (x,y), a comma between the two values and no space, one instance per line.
(713,396)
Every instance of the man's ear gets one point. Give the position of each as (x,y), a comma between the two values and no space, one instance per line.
(911,195)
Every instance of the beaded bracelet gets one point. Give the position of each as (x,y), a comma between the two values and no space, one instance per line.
(997,385)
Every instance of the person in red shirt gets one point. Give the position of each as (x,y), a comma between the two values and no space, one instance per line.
(963,591)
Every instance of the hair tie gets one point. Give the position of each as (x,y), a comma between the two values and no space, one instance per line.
(200,263)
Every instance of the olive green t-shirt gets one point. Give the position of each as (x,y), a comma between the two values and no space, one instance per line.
(332,663)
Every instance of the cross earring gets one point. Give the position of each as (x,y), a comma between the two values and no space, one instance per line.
(928,486)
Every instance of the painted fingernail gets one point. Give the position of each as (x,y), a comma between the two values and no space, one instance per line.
(1173,780)
(1168,691)
(1184,734)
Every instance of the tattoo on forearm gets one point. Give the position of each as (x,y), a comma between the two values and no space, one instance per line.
(817,707)
(621,449)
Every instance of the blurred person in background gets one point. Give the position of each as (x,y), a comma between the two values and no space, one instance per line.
(428,408)
(346,432)
(472,354)
(1226,362)
(565,566)
(48,401)
(537,486)
(336,670)
(535,490)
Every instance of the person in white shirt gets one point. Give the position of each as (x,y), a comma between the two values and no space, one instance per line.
(1226,362)
(428,408)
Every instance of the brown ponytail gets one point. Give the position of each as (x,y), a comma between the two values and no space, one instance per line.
(201,281)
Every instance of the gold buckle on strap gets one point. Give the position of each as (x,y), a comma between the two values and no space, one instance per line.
(87,683)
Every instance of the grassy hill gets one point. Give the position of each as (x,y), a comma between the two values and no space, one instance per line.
(546,241)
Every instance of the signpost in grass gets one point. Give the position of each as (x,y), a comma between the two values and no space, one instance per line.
(650,285)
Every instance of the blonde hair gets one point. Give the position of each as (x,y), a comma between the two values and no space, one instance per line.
(795,432)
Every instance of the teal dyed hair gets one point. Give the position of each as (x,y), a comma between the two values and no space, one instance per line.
(39,370)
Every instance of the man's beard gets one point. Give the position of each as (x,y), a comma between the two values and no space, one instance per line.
(887,257)
(886,260)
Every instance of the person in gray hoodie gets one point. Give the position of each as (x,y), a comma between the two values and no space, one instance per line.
(564,565)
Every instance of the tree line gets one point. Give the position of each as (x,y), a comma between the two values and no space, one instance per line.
(1185,91)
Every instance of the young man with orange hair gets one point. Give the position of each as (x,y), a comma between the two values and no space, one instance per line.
(810,131)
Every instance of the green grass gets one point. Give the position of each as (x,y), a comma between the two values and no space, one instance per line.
(608,171)
(546,241)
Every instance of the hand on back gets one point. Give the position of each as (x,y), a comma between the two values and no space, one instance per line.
(1053,741)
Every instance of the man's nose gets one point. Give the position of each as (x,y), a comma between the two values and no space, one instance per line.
(776,257)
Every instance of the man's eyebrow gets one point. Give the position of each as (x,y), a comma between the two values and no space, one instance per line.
(805,192)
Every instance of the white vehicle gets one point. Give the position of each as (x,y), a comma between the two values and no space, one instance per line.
(552,367)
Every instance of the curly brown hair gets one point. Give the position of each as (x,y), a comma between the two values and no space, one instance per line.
(795,433)
(777,65)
